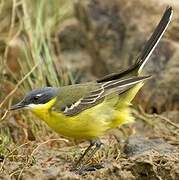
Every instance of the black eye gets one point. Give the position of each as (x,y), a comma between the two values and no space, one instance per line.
(35,98)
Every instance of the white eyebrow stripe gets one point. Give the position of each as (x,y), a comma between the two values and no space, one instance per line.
(38,95)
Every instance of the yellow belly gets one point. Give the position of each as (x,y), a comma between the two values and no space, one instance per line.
(93,122)
(89,124)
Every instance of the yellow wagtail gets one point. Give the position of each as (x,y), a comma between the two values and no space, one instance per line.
(87,111)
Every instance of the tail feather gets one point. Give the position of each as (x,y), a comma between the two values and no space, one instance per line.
(147,50)
(155,38)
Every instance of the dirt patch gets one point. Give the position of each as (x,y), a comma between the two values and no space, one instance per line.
(151,165)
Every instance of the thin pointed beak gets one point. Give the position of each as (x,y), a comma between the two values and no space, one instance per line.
(17,106)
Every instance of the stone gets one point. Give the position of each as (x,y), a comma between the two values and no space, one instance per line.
(138,145)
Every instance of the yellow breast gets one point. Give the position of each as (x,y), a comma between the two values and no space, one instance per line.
(89,124)
(92,122)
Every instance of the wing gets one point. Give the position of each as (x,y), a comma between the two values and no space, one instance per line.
(98,94)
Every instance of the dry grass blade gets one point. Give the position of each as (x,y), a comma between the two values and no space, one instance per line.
(4,115)
(159,117)
(33,152)
(18,84)
(167,120)
(11,152)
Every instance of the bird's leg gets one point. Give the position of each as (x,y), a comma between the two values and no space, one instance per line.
(92,143)
(97,143)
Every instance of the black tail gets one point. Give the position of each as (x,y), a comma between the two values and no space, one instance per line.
(155,38)
(147,50)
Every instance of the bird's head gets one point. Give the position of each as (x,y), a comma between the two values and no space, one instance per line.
(38,99)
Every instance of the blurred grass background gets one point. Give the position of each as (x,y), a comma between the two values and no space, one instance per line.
(28,60)
(29,33)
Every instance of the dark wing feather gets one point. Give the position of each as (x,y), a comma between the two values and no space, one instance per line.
(96,96)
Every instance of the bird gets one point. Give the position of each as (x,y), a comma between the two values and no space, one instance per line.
(89,110)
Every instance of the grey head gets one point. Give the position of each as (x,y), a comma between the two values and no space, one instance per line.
(37,97)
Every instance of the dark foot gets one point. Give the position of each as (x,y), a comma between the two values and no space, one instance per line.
(89,168)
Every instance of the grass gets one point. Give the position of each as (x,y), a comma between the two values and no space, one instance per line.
(28,59)
(5,140)
(31,29)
